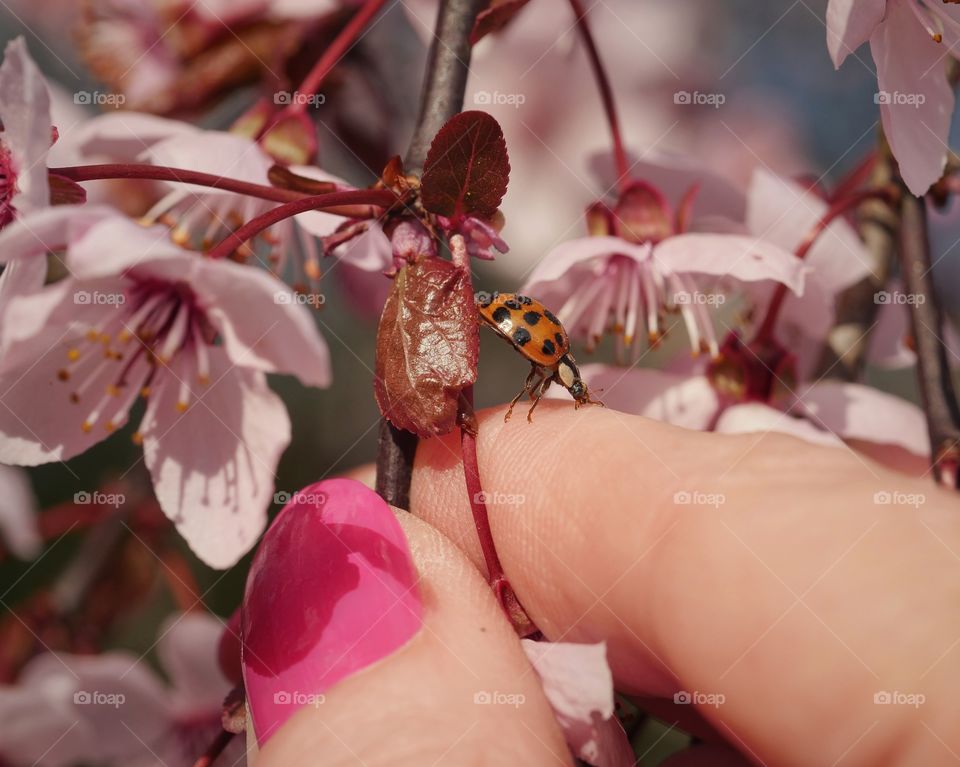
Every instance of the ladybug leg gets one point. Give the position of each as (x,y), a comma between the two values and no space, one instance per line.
(528,388)
(544,384)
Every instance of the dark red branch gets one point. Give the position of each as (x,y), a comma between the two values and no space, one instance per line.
(330,202)
(178,175)
(337,49)
(606,93)
(839,208)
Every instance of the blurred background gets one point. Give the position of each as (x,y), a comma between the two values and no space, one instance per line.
(783,107)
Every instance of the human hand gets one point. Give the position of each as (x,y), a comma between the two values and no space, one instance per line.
(792,590)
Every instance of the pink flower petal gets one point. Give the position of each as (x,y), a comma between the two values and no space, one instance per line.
(262,324)
(577,252)
(317,222)
(120,136)
(216,152)
(911,65)
(577,681)
(187,647)
(18,514)
(754,417)
(851,411)
(687,401)
(783,212)
(747,259)
(90,688)
(25,116)
(38,332)
(850,24)
(213,466)
(370,251)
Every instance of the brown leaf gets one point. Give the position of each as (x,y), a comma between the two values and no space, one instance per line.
(427,347)
(467,167)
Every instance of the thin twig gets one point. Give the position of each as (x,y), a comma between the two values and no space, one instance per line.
(926,319)
(446,75)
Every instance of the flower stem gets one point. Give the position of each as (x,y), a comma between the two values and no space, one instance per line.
(180,175)
(333,200)
(836,210)
(337,49)
(926,319)
(606,94)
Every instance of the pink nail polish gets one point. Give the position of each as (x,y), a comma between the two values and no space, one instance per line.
(332,589)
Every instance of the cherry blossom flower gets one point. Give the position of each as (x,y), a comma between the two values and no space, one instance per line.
(641,264)
(26,134)
(198,217)
(113,709)
(579,685)
(910,41)
(783,212)
(193,336)
(822,412)
(171,55)
(18,514)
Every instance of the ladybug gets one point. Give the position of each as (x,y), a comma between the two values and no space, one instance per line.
(538,335)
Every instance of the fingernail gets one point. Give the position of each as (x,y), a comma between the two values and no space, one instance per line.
(332,590)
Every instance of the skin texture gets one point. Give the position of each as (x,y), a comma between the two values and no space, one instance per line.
(788,590)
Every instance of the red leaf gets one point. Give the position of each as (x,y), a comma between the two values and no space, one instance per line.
(427,347)
(495,17)
(467,167)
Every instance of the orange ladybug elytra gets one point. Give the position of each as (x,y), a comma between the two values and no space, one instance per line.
(538,335)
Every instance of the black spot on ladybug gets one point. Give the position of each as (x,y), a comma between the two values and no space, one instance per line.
(561,341)
(531,318)
(484,299)
(525,300)
(512,303)
(500,314)
(521,336)
(548,348)
(550,316)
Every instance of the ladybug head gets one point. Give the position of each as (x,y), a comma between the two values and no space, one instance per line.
(569,376)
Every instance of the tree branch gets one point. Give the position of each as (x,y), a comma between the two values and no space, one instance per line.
(444,84)
(446,75)
(926,320)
